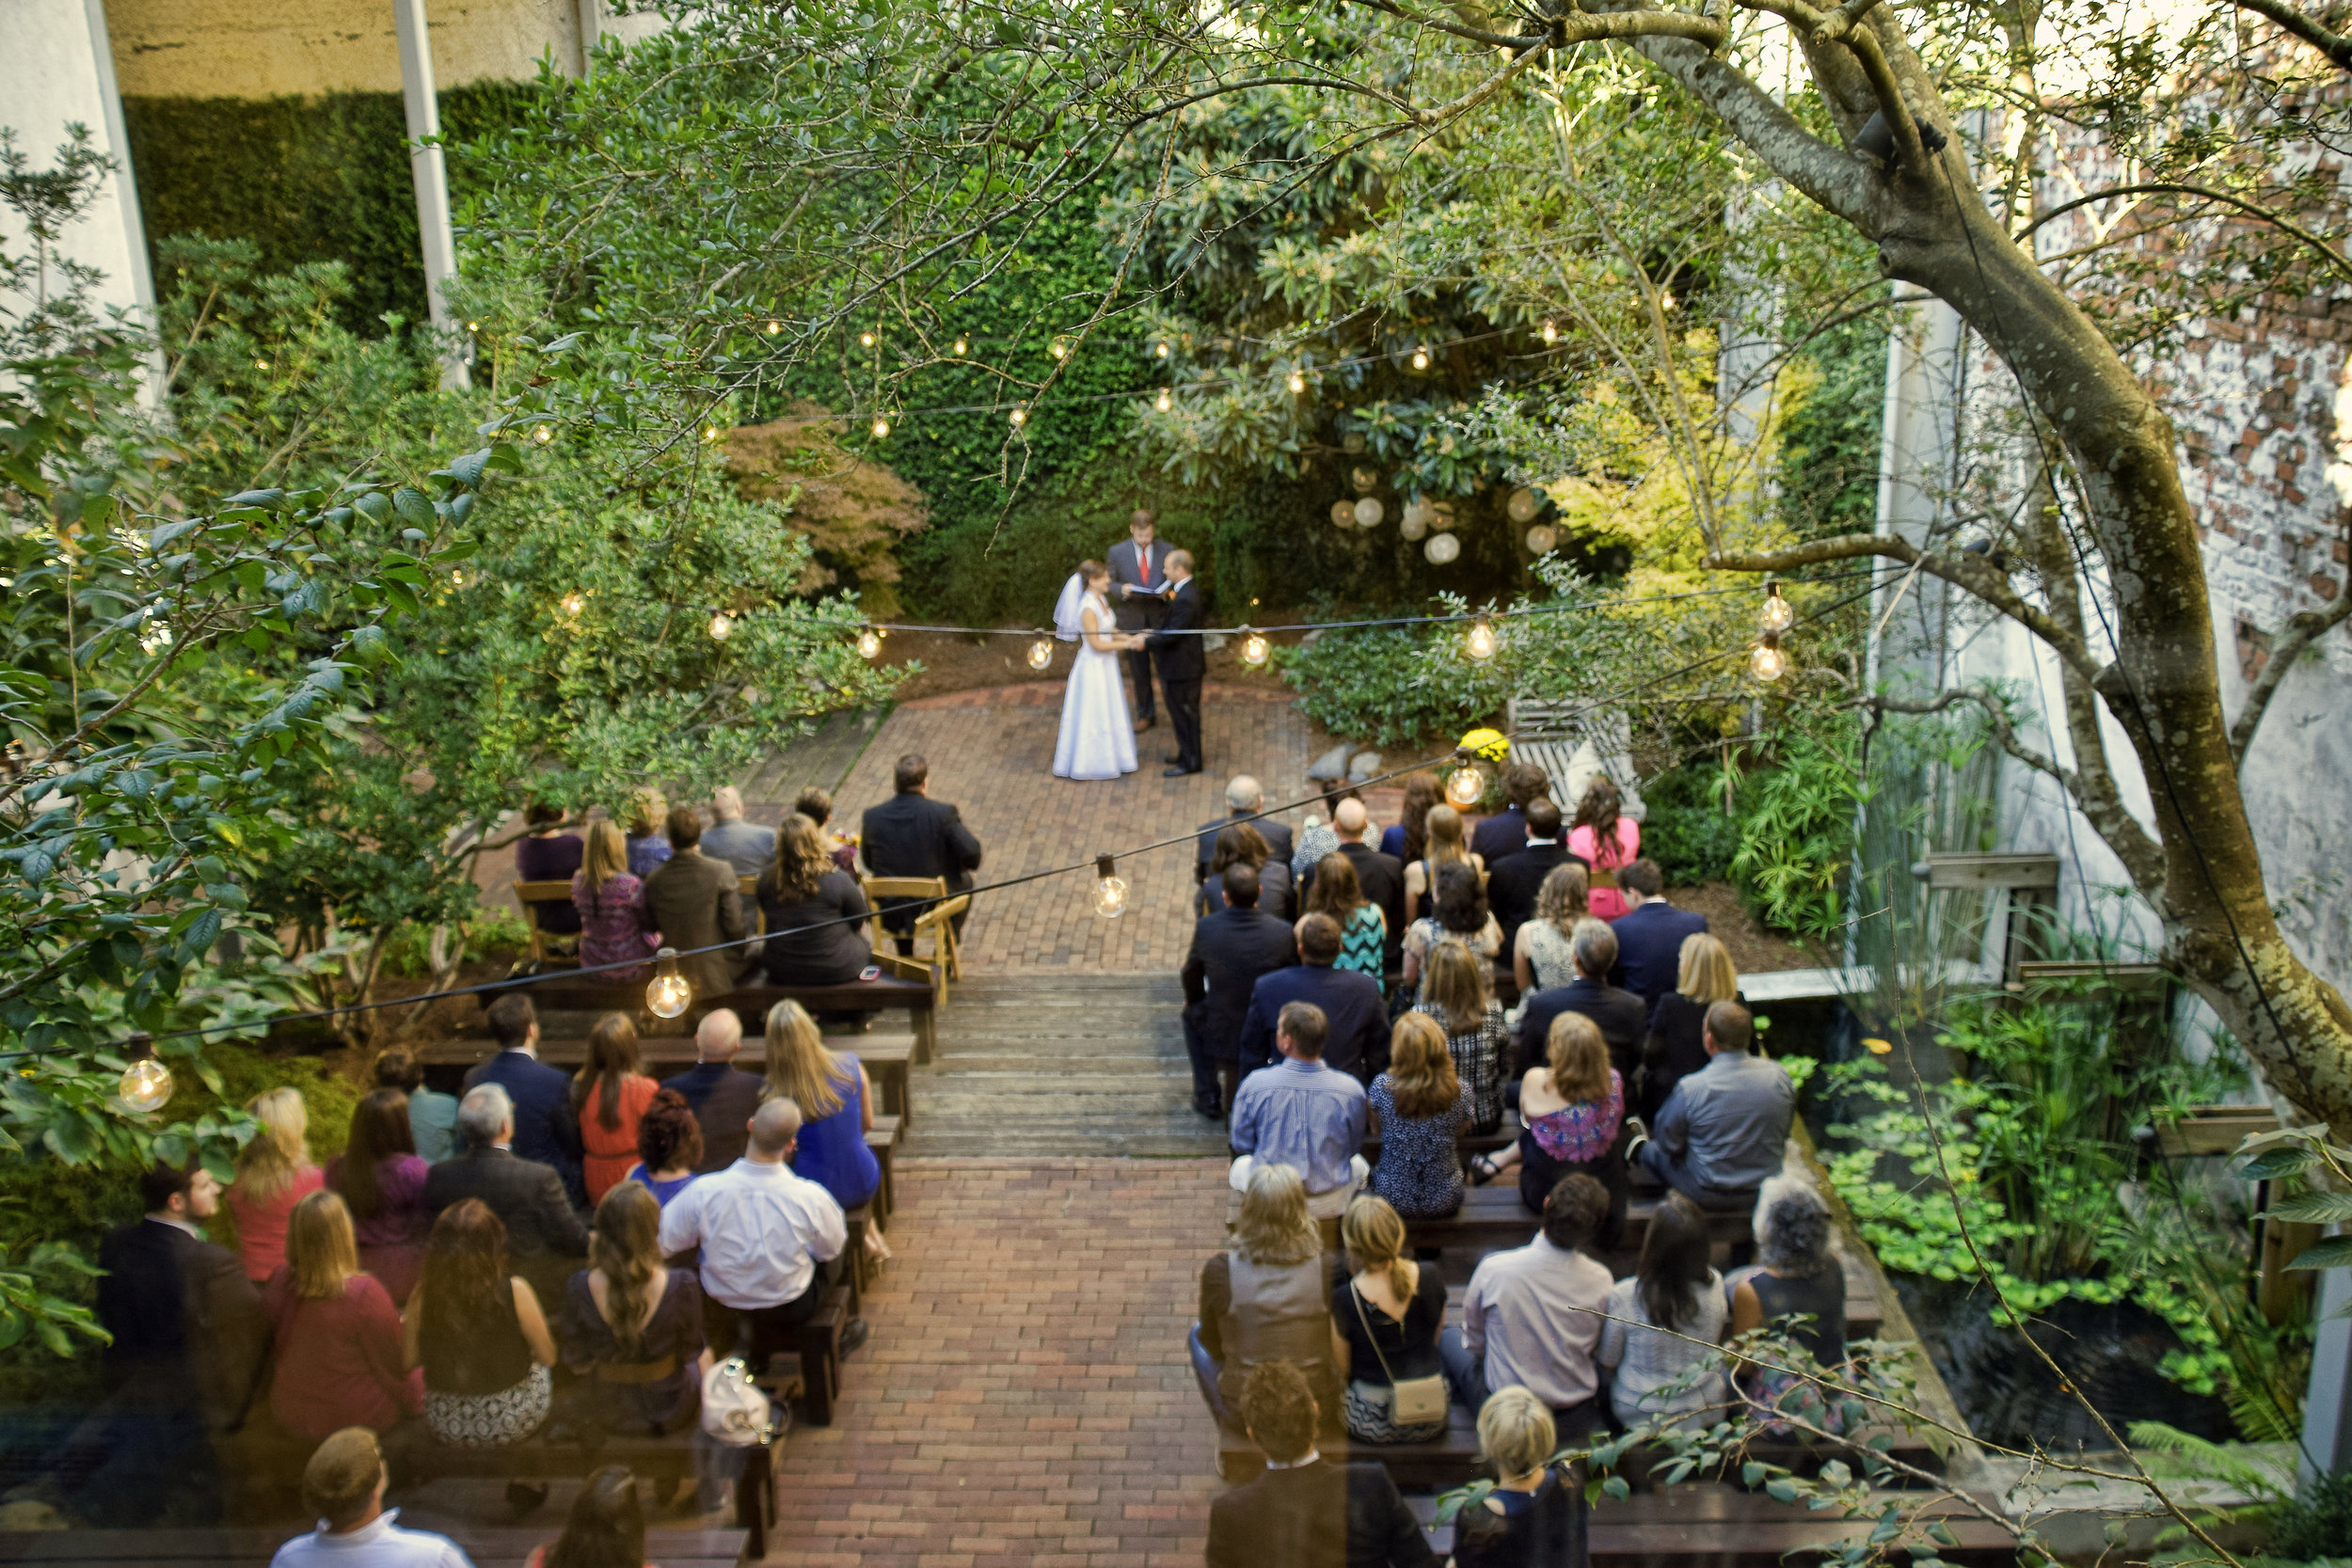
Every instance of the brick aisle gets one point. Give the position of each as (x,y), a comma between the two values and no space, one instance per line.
(1024,1399)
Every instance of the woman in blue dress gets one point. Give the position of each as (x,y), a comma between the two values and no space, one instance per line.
(836,1104)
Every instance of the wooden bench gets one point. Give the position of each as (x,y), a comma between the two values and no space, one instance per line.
(901,986)
(507,1547)
(883,1138)
(1492,1217)
(887,1058)
(668,1459)
(1709,1526)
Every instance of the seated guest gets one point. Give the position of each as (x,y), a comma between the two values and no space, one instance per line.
(669,1146)
(1240,845)
(648,847)
(1267,1296)
(338,1359)
(1456,995)
(1513,882)
(1663,1320)
(546,1130)
(817,805)
(1506,832)
(1725,1127)
(605,1529)
(546,853)
(537,1224)
(610,1094)
(1530,1316)
(1606,843)
(1675,1046)
(616,934)
(1304,1508)
(1387,1314)
(816,912)
(1650,933)
(913,835)
(1573,1111)
(382,1182)
(836,1102)
(1303,1114)
(1363,930)
(691,900)
(1620,1014)
(721,1097)
(479,1334)
(1315,841)
(1243,801)
(766,1235)
(1421,1106)
(1536,1516)
(1540,956)
(432,1115)
(1445,845)
(1407,839)
(1458,913)
(746,847)
(274,1173)
(633,1328)
(1230,950)
(342,1487)
(1356,1019)
(1380,877)
(1800,1288)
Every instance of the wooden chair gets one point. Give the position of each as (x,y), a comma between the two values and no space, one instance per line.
(531,896)
(936,921)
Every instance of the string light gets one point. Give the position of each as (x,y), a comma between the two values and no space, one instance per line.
(1542,539)
(543,434)
(1344,514)
(1161,349)
(1768,662)
(1110,892)
(1481,643)
(667,993)
(865,339)
(869,642)
(1254,645)
(1420,359)
(1369,512)
(261,364)
(775,328)
(711,433)
(882,429)
(1020,416)
(1041,654)
(721,626)
(1059,348)
(1164,403)
(962,348)
(1552,333)
(1523,505)
(574,602)
(1299,382)
(1465,785)
(1778,616)
(1443,550)
(146,1084)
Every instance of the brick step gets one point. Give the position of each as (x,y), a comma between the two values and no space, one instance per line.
(1073,1140)
(1720,1527)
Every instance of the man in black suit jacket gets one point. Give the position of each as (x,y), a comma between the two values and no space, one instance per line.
(545,1238)
(1650,934)
(913,835)
(1307,1512)
(1139,573)
(1505,833)
(1513,881)
(1231,949)
(1243,798)
(547,1128)
(1357,1037)
(722,1098)
(1177,653)
(1621,1016)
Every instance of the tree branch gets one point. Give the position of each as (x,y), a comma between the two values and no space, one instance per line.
(2294,639)
(2165,187)
(2337,47)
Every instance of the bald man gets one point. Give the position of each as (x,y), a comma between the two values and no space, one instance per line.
(722,1098)
(1382,877)
(747,847)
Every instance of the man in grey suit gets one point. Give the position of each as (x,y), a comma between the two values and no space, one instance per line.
(1243,798)
(1138,572)
(545,1236)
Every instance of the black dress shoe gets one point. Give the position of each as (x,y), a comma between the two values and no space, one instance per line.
(855,1333)
(1178,772)
(1172,757)
(1215,1112)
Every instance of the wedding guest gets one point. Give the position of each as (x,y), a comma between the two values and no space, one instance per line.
(1267,1296)
(527,1198)
(1572,1109)
(1244,799)
(1357,1032)
(1725,1127)
(817,805)
(721,1097)
(1443,845)
(1620,1014)
(691,900)
(342,1488)
(1675,1290)
(479,1335)
(668,1145)
(1241,844)
(1363,930)
(1231,949)
(1506,832)
(1387,1314)
(1302,1114)
(1407,838)
(633,1327)
(913,836)
(1536,1516)
(1457,914)
(1421,1106)
(614,927)
(1676,1045)
(1650,933)
(546,1131)
(610,1094)
(546,853)
(816,912)
(1531,1316)
(1456,996)
(381,1181)
(1515,881)
(1303,1508)
(338,1362)
(605,1529)
(745,846)
(648,846)
(274,1173)
(432,1115)
(1606,843)
(1381,876)
(836,1102)
(1540,955)
(1799,1286)
(1315,840)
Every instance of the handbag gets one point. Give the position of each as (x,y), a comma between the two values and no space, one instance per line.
(735,1411)
(1413,1401)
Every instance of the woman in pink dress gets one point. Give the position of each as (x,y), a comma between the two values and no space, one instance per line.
(614,927)
(1606,842)
(274,1173)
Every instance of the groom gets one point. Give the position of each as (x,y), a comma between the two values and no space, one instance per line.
(1176,650)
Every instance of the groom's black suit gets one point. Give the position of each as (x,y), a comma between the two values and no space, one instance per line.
(1176,651)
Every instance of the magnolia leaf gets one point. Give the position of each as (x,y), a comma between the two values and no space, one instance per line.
(413,505)
(255,498)
(2334,1252)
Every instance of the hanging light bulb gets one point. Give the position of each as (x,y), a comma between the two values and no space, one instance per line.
(1110,893)
(882,429)
(1420,359)
(1299,382)
(869,642)
(1768,663)
(775,328)
(1465,785)
(1164,403)
(146,1084)
(574,602)
(1253,646)
(1161,349)
(1523,505)
(1443,549)
(1542,539)
(865,339)
(543,434)
(962,347)
(1344,514)
(1367,512)
(1481,643)
(1552,333)
(667,993)
(710,433)
(1020,416)
(721,626)
(1778,616)
(1041,653)
(1059,348)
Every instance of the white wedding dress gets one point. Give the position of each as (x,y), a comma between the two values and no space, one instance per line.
(1098,740)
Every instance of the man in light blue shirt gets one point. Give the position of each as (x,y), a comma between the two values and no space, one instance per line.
(343,1484)
(1303,1114)
(1724,1128)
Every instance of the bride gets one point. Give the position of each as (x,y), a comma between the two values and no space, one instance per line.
(1097,742)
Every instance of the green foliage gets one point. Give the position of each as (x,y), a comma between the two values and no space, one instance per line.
(2307,1528)
(1796,835)
(1689,832)
(1392,686)
(1829,440)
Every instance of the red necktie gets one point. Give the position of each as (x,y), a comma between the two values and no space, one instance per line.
(1150,572)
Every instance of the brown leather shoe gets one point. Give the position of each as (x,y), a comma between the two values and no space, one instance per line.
(1143,724)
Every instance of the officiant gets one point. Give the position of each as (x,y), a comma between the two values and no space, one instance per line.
(1139,581)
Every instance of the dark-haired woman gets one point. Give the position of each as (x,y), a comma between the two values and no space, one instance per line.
(382,1182)
(605,1529)
(432,1115)
(632,1328)
(669,1147)
(1606,842)
(547,853)
(1675,1290)
(816,912)
(1243,844)
(478,1332)
(1458,913)
(609,1097)
(1338,892)
(1407,838)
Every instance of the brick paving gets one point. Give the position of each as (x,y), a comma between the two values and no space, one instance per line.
(1024,1399)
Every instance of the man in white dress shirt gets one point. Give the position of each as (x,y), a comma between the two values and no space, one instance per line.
(343,1484)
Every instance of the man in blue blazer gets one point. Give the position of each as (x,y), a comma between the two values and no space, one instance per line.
(545,1129)
(1650,934)
(1230,950)
(1506,832)
(1357,1040)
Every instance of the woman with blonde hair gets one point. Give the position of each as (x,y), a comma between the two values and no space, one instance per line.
(1267,1296)
(274,1173)
(1534,1517)
(614,927)
(1676,1045)
(1338,892)
(1540,954)
(1447,843)
(1420,1106)
(632,1328)
(837,1103)
(1387,1315)
(335,1331)
(1458,995)
(817,911)
(1572,1109)
(610,1094)
(648,844)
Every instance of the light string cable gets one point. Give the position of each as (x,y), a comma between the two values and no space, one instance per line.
(522,982)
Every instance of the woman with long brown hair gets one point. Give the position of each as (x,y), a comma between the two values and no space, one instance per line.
(1407,838)
(1446,841)
(1387,1314)
(336,1336)
(815,911)
(1363,928)
(1458,912)
(614,927)
(1540,954)
(1422,1106)
(1460,997)
(836,1104)
(633,1327)
(1605,840)
(610,1094)
(1572,1108)
(381,1180)
(1243,844)
(479,1334)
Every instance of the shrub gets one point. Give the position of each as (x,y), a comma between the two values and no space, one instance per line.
(1392,685)
(1689,832)
(1796,837)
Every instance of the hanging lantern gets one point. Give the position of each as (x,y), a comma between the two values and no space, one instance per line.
(881,429)
(146,1084)
(1768,662)
(1367,512)
(1481,641)
(1362,478)
(1523,505)
(1552,333)
(1344,514)
(1164,403)
(721,626)
(1777,615)
(1542,539)
(667,993)
(1041,653)
(1110,893)
(1443,550)
(1415,525)
(1253,647)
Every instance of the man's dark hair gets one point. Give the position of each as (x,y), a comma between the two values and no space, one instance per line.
(159,1182)
(910,772)
(1731,1027)
(1142,518)
(1279,1409)
(1644,877)
(1543,817)
(399,1069)
(1319,939)
(685,827)
(511,1018)
(1574,1210)
(542,814)
(1306,1026)
(1241,885)
(1523,781)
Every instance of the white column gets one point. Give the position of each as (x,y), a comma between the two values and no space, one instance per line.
(431,175)
(59,68)
(591,27)
(2327,1403)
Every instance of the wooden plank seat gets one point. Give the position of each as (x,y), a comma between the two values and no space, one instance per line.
(501,1546)
(1705,1524)
(887,1058)
(901,985)
(883,1138)
(668,1459)
(1493,1217)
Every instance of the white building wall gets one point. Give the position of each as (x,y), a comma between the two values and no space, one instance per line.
(58,70)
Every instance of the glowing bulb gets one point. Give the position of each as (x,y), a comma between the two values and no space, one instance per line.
(574,602)
(1552,333)
(1420,359)
(1299,382)
(667,993)
(775,328)
(1481,643)
(261,364)
(1542,539)
(881,429)
(865,339)
(1060,349)
(473,327)
(1778,616)
(1164,403)
(1465,787)
(1523,505)
(543,434)
(1020,416)
(1041,653)
(721,626)
(869,642)
(1768,663)
(1367,512)
(710,433)
(1161,350)
(1253,647)
(457,579)
(1110,893)
(146,1085)
(962,346)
